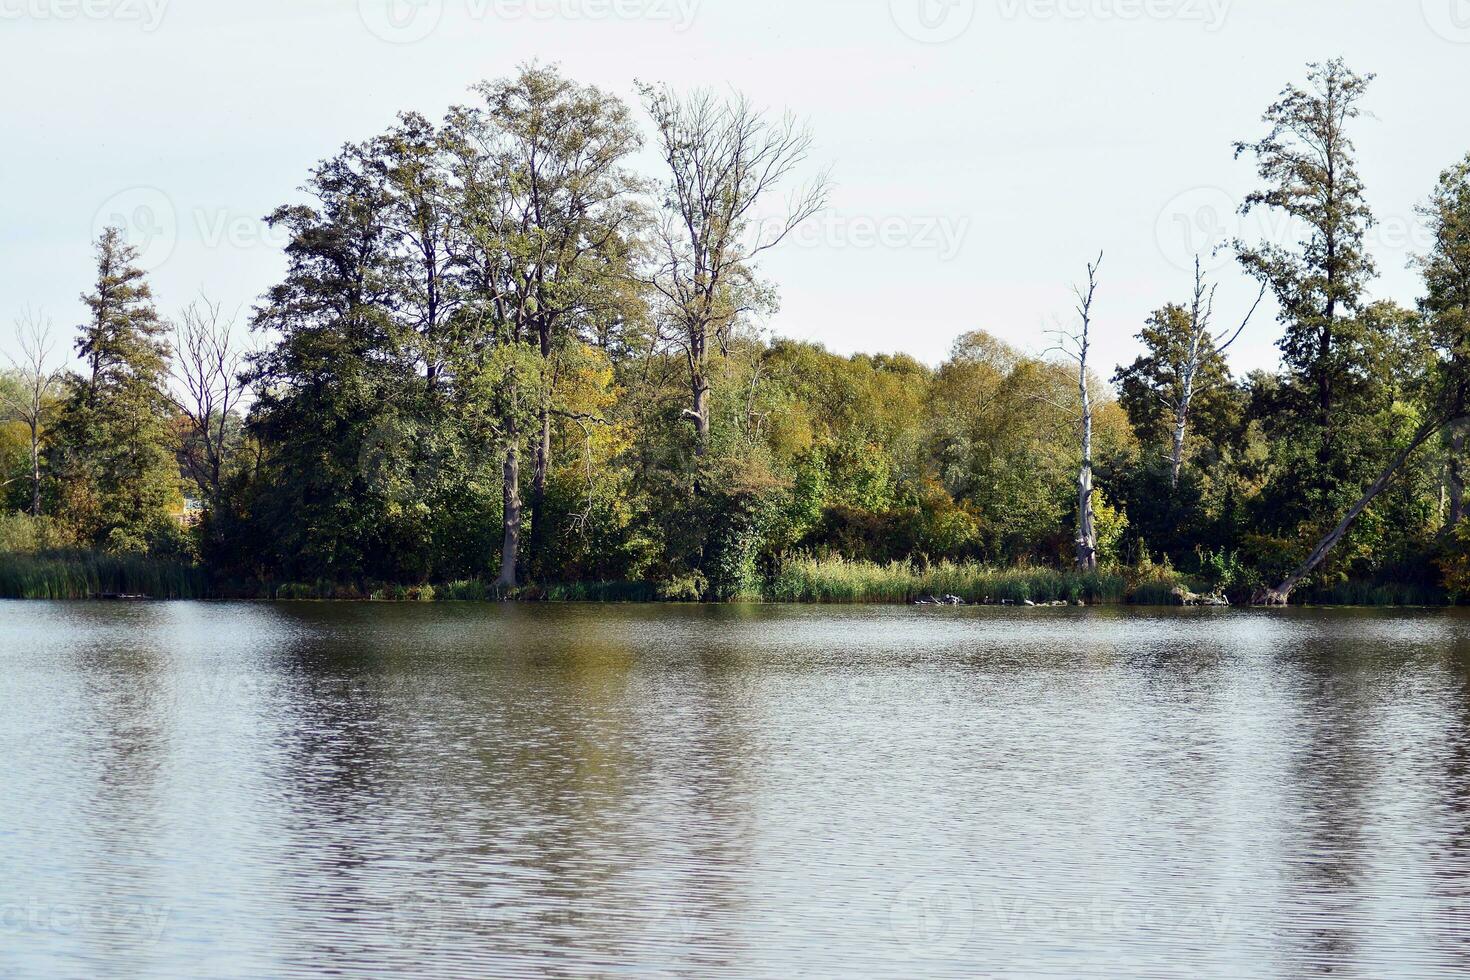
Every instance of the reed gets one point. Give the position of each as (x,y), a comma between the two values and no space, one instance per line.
(840,581)
(86,575)
(1382,594)
(610,592)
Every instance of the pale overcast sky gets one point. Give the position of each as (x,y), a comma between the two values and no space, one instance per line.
(982,150)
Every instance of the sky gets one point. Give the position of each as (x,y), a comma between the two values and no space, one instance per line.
(981,151)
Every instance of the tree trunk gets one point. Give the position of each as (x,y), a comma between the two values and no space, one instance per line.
(35,471)
(701,413)
(538,488)
(543,445)
(700,389)
(1457,478)
(1087,531)
(1181,427)
(1281,595)
(1086,522)
(511,549)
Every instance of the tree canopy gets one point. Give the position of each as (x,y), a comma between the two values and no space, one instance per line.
(500,352)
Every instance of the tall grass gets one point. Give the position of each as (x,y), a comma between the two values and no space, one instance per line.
(85,575)
(613,592)
(841,581)
(473,590)
(1379,594)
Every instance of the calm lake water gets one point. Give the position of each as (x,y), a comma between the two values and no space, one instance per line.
(278,791)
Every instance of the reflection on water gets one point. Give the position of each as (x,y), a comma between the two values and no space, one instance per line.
(277,791)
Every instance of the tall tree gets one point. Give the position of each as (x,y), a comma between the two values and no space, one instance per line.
(334,382)
(572,199)
(725,161)
(549,216)
(38,388)
(418,216)
(1444,389)
(116,474)
(1446,304)
(1308,163)
(1077,345)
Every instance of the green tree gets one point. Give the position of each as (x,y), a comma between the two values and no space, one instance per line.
(116,476)
(1446,303)
(1307,161)
(564,209)
(352,439)
(1438,357)
(1183,381)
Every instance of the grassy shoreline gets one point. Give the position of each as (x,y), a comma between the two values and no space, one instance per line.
(90,575)
(801,581)
(855,583)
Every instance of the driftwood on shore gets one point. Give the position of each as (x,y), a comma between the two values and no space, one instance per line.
(951,600)
(1188,598)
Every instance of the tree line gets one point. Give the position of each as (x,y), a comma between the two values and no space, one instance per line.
(500,352)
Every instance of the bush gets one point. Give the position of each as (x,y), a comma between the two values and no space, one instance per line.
(472,591)
(22,534)
(684,588)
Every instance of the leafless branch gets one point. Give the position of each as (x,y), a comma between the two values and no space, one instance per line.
(208,390)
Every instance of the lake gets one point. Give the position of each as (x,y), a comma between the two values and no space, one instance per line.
(242,790)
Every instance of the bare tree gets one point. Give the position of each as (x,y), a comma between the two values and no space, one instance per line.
(725,160)
(1199,349)
(209,392)
(39,387)
(1077,346)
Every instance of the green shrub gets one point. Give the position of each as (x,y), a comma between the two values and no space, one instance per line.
(683,588)
(22,534)
(471,591)
(297,592)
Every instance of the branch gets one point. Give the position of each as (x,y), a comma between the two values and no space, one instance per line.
(1260,297)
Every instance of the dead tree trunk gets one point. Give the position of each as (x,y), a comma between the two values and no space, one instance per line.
(1086,519)
(1281,595)
(38,387)
(1181,428)
(1201,346)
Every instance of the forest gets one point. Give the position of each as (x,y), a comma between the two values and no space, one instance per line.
(505,362)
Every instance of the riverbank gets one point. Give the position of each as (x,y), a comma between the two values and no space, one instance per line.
(88,575)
